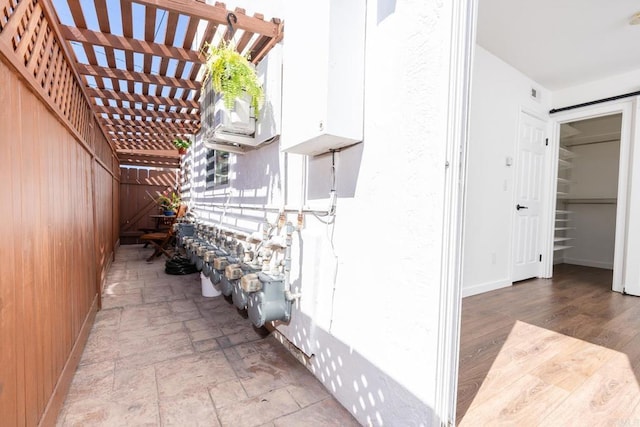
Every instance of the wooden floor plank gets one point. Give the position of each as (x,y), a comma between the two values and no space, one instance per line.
(526,403)
(559,351)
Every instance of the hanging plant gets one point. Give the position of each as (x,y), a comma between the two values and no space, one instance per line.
(233,76)
(182,144)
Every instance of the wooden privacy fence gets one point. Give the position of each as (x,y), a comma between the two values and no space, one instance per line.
(138,189)
(60,175)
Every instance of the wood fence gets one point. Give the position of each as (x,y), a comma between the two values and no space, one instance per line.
(59,178)
(138,191)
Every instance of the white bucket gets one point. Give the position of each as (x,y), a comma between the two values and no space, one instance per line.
(208,290)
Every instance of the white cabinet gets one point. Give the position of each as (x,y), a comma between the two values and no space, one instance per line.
(323,75)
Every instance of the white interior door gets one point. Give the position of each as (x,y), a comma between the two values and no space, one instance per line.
(527,207)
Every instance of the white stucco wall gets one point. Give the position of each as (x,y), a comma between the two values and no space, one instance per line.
(499,93)
(370,282)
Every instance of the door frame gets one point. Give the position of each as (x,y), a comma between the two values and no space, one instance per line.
(461,50)
(624,107)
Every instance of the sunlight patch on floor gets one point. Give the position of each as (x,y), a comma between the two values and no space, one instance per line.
(541,377)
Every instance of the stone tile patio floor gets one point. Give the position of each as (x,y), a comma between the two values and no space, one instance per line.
(160,353)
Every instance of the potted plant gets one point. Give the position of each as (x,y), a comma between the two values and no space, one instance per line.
(233,76)
(169,204)
(182,145)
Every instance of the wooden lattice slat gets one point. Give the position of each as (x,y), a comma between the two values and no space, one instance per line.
(53,63)
(67,80)
(26,41)
(56,76)
(45,57)
(36,48)
(14,22)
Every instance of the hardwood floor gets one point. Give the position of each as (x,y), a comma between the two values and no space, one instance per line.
(553,352)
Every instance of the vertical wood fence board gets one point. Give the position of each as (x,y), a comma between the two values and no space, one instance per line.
(8,292)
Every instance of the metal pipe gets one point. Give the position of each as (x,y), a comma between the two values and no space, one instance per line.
(240,206)
(597,101)
(287,265)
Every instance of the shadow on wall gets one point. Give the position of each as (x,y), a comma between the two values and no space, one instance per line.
(372,397)
(385,8)
(347,163)
(256,176)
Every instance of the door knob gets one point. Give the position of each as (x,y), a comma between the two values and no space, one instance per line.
(519,206)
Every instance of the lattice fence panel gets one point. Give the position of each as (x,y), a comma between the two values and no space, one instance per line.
(27,35)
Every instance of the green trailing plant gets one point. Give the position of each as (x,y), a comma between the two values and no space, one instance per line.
(233,76)
(182,143)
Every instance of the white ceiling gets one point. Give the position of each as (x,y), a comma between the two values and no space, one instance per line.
(560,43)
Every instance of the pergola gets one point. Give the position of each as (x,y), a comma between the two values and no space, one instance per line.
(139,63)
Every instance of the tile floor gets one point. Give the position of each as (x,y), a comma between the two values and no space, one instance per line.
(161,354)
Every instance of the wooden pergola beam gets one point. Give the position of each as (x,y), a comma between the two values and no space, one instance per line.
(136,112)
(113,134)
(143,145)
(166,142)
(150,160)
(217,14)
(136,122)
(153,129)
(106,94)
(123,125)
(132,76)
(130,44)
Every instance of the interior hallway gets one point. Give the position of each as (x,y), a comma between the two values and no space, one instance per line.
(558,352)
(161,354)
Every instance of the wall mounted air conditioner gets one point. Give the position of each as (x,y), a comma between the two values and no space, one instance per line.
(238,121)
(238,129)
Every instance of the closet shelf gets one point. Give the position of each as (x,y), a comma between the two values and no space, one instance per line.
(563,164)
(591,201)
(564,181)
(561,247)
(562,220)
(566,154)
(563,212)
(564,228)
(562,239)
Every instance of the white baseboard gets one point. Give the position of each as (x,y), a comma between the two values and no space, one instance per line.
(589,263)
(468,291)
